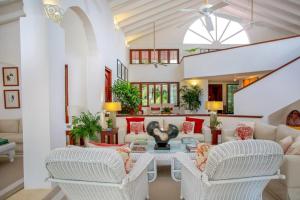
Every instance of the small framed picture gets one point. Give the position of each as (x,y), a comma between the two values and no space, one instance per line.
(10,76)
(123,72)
(126,74)
(11,99)
(119,69)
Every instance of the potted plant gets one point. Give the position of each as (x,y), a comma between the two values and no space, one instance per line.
(215,127)
(109,123)
(128,95)
(86,126)
(166,110)
(190,96)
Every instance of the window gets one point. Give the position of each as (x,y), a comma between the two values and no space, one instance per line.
(146,56)
(231,88)
(225,31)
(163,54)
(158,93)
(135,57)
(174,56)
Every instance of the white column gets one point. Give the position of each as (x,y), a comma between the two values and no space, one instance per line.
(42,68)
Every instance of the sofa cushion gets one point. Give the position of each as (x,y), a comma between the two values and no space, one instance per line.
(284,131)
(136,137)
(133,119)
(202,152)
(188,127)
(265,131)
(177,121)
(294,149)
(150,119)
(198,124)
(13,137)
(244,132)
(9,126)
(285,143)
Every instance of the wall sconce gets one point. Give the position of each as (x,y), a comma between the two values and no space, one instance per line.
(53,11)
(116,23)
(126,44)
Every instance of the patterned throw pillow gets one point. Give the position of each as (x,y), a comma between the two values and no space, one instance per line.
(124,152)
(188,127)
(244,132)
(202,155)
(285,143)
(136,127)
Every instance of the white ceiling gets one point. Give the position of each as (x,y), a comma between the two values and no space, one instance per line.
(136,17)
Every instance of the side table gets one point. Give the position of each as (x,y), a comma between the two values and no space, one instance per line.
(111,135)
(215,136)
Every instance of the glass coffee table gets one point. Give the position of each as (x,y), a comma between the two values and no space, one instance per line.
(163,158)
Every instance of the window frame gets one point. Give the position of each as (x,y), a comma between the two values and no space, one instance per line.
(154,88)
(149,55)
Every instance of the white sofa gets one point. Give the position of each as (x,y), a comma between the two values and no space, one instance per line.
(283,189)
(164,122)
(11,129)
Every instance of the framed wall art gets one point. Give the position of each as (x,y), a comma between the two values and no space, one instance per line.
(119,69)
(11,99)
(10,76)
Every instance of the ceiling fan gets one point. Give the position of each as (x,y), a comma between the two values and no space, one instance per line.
(156,63)
(206,10)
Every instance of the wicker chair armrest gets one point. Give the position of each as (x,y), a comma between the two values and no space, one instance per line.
(186,162)
(139,167)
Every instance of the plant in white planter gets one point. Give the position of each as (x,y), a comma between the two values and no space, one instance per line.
(86,126)
(190,96)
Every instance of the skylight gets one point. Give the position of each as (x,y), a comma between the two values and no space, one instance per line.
(225,31)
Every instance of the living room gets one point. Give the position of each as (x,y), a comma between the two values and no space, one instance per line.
(121,99)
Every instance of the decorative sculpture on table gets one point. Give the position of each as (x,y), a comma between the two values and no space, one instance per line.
(162,137)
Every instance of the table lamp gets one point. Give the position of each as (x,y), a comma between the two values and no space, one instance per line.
(213,107)
(113,108)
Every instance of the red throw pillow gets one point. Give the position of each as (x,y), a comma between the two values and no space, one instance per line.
(134,119)
(198,124)
(244,132)
(136,127)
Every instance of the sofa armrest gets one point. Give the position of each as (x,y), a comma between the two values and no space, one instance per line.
(290,168)
(227,135)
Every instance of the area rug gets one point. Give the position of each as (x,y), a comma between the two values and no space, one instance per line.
(11,174)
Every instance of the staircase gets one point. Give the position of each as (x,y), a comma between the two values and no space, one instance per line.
(257,57)
(274,91)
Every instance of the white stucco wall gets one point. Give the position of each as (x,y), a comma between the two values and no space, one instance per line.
(42,67)
(255,58)
(270,94)
(9,57)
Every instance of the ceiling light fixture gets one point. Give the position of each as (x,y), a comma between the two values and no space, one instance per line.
(53,10)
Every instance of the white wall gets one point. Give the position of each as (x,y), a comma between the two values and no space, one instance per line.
(42,67)
(76,57)
(280,116)
(148,73)
(271,93)
(256,58)
(9,57)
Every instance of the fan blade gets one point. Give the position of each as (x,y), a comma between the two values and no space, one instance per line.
(218,6)
(209,24)
(187,10)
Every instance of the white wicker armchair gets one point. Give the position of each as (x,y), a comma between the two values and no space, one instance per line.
(97,173)
(235,170)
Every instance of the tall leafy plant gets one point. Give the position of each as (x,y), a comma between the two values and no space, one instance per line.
(128,95)
(86,126)
(190,96)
